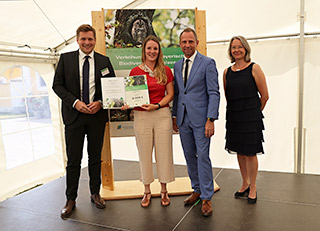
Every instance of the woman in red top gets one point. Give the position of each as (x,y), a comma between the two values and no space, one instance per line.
(153,123)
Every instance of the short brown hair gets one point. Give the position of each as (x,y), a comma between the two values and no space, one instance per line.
(246,46)
(188,29)
(86,28)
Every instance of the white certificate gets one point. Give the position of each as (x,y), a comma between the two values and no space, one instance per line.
(118,91)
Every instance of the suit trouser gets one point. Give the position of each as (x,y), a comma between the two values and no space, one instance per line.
(154,128)
(196,148)
(75,133)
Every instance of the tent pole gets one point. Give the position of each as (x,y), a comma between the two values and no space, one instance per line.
(133,4)
(257,38)
(299,167)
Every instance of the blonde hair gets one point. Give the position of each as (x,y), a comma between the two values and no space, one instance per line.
(160,70)
(246,46)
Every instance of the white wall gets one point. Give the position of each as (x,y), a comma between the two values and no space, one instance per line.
(278,59)
(311,110)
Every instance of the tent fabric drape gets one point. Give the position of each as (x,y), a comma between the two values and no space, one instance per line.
(15,179)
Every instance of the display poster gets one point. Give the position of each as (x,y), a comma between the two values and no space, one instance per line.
(130,90)
(126,29)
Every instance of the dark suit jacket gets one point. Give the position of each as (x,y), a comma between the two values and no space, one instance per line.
(66,83)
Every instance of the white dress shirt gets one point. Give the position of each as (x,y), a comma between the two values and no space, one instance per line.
(92,83)
(189,64)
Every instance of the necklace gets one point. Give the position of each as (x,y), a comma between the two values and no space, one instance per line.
(145,68)
(241,67)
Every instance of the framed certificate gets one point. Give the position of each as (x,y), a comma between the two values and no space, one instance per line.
(130,90)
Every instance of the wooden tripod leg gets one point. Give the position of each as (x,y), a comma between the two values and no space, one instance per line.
(106,161)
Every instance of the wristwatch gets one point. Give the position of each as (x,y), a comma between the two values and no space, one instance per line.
(211,119)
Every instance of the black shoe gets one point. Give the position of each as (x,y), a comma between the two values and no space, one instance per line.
(252,200)
(243,194)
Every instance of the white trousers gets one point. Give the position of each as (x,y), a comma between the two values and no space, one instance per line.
(154,129)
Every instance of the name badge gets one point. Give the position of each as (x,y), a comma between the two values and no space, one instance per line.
(105,71)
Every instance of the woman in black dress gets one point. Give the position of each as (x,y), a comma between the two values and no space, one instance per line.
(246,94)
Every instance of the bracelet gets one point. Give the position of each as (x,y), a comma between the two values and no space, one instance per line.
(159,106)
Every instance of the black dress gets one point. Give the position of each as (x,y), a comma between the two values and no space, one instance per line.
(244,123)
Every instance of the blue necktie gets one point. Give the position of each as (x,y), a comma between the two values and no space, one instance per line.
(85,80)
(186,72)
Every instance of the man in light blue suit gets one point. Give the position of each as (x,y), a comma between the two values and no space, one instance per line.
(195,108)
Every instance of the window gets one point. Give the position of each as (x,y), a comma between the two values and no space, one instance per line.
(25,117)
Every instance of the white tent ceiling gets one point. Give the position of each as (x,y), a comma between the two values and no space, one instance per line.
(47,24)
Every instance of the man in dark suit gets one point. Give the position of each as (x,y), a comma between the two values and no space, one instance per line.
(77,82)
(195,107)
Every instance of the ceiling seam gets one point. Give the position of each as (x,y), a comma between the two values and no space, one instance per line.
(50,21)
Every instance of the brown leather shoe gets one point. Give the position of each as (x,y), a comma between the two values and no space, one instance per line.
(98,201)
(193,198)
(206,209)
(67,209)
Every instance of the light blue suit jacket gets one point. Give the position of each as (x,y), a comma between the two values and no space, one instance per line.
(201,97)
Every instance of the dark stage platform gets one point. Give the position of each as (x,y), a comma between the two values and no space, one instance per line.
(285,202)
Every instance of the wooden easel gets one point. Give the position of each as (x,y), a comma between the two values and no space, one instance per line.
(112,190)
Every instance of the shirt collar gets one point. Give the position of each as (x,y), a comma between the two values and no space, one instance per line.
(82,55)
(192,57)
